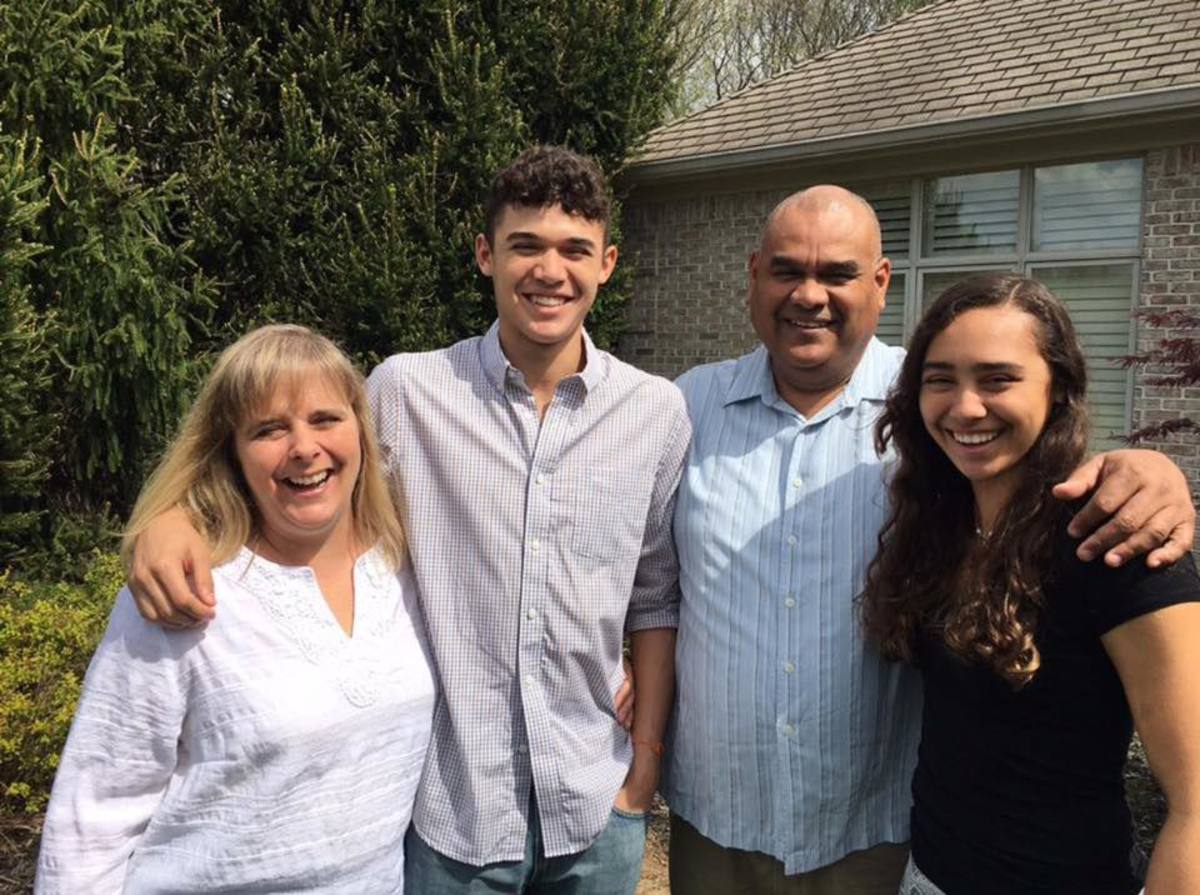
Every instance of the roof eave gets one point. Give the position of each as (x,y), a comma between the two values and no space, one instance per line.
(1144,107)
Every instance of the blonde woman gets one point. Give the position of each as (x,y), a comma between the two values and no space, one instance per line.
(279,748)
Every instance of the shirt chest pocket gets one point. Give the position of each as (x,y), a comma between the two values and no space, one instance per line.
(602,514)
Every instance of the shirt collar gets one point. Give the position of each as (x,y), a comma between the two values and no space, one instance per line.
(752,378)
(870,380)
(497,367)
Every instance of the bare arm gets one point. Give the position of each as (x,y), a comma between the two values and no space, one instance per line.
(653,652)
(1159,665)
(171,573)
(1140,503)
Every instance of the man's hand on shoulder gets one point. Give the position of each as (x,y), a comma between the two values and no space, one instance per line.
(171,574)
(1140,504)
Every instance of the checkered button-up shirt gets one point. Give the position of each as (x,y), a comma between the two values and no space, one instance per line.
(536,543)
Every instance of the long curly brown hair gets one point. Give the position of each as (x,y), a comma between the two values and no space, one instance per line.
(932,571)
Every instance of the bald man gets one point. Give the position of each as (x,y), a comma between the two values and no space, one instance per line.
(793,745)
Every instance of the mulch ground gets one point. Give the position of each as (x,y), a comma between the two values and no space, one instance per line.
(19,838)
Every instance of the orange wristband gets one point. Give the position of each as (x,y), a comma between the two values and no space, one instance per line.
(656,748)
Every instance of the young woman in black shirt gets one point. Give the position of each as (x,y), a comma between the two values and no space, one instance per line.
(1036,665)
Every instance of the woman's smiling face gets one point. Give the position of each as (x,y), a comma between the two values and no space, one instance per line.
(301,457)
(986,392)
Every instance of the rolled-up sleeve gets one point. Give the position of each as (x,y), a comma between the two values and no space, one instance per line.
(384,387)
(654,602)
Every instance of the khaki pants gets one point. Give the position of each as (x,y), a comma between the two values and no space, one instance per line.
(700,866)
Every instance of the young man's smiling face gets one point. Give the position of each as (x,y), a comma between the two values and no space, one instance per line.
(546,266)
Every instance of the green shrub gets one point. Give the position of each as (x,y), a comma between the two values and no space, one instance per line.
(75,534)
(48,633)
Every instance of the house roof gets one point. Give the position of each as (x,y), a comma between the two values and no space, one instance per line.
(949,62)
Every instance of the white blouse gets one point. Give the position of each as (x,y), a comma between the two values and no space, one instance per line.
(267,752)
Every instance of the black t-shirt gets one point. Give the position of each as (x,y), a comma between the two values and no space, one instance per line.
(1022,791)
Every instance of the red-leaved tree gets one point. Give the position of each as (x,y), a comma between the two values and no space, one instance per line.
(1173,363)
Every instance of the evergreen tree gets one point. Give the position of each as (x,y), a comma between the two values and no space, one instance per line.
(25,428)
(113,292)
(209,165)
(336,154)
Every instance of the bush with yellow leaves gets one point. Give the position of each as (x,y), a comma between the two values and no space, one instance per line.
(48,633)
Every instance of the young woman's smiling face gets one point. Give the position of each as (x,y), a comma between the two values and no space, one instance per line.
(986,392)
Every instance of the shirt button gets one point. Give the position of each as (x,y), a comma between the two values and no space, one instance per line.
(535,545)
(789,667)
(797,482)
(529,679)
(787,730)
(539,479)
(522,749)
(531,614)
(792,540)
(789,602)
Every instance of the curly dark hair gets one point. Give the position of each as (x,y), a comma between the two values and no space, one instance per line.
(550,175)
(933,572)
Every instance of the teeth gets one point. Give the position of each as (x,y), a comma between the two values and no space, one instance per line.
(809,324)
(974,437)
(547,301)
(307,480)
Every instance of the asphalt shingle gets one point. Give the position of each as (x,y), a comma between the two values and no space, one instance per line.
(954,59)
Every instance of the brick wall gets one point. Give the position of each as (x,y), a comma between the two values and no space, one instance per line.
(1170,279)
(689,258)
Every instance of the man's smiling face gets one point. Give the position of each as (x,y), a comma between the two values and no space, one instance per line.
(817,286)
(546,266)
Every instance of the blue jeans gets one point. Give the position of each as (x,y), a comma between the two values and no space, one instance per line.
(612,865)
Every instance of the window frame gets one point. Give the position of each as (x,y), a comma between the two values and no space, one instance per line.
(916,264)
(1020,261)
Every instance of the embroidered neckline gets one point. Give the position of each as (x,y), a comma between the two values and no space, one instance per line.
(291,596)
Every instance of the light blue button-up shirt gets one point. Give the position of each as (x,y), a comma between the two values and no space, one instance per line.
(790,736)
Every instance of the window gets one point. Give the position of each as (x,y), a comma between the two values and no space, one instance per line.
(1099,297)
(975,214)
(934,282)
(891,321)
(1090,206)
(1075,227)
(895,221)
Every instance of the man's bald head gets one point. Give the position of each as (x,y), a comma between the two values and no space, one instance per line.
(817,287)
(830,199)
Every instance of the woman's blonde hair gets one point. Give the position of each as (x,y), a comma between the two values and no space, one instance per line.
(200,472)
